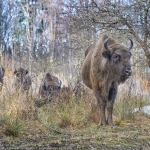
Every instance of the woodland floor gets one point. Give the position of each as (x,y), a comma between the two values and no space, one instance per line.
(133,135)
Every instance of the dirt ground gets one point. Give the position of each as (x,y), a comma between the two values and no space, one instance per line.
(126,136)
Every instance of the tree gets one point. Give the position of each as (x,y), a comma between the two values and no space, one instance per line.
(125,17)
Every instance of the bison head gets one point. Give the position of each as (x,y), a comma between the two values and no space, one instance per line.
(119,59)
(49,85)
(23,80)
(20,74)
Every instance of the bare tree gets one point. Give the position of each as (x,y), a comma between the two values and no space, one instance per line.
(130,17)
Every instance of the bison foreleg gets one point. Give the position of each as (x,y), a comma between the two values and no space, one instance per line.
(109,113)
(110,103)
(102,107)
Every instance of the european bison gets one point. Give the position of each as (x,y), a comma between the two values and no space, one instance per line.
(2,73)
(106,65)
(50,85)
(23,80)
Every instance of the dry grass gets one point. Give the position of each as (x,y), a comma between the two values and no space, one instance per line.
(70,118)
(63,111)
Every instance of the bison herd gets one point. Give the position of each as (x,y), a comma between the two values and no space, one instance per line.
(106,65)
(49,85)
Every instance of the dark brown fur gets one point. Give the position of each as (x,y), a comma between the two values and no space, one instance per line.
(50,84)
(23,80)
(103,70)
(2,73)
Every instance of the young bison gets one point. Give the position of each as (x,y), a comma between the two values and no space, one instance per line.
(49,86)
(106,65)
(23,80)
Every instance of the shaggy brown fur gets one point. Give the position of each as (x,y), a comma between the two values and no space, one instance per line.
(23,80)
(50,84)
(2,73)
(107,64)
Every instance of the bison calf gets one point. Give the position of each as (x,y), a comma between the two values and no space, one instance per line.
(23,80)
(106,65)
(50,85)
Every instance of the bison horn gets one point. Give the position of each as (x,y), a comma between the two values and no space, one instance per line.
(131,44)
(105,45)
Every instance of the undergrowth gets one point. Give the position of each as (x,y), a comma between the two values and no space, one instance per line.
(66,110)
(123,108)
(65,115)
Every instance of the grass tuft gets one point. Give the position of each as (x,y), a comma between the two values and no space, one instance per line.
(11,126)
(65,115)
(123,108)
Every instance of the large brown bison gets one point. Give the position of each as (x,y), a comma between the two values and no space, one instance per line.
(106,65)
(50,85)
(2,73)
(23,80)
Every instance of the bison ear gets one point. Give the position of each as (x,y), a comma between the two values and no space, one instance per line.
(15,71)
(106,54)
(26,71)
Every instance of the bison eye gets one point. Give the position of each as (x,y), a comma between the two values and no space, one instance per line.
(116,58)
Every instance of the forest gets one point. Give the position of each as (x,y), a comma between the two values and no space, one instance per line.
(44,36)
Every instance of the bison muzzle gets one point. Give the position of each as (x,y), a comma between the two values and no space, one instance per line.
(106,65)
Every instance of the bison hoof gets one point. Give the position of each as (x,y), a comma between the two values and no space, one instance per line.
(111,124)
(102,124)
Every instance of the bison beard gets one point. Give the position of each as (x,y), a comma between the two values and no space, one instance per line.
(106,65)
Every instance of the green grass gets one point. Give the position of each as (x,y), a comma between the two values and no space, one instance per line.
(11,126)
(65,115)
(123,108)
